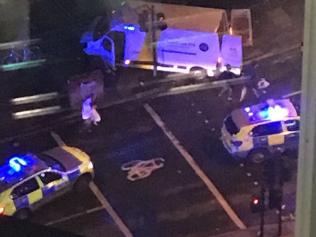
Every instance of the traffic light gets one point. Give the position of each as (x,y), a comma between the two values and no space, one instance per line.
(275,198)
(143,19)
(161,24)
(256,203)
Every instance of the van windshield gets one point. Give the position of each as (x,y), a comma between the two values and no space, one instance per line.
(231,126)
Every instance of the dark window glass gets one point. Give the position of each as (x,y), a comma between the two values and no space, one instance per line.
(267,129)
(48,177)
(107,45)
(292,125)
(51,162)
(231,126)
(25,188)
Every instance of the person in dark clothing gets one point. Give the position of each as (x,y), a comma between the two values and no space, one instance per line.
(226,75)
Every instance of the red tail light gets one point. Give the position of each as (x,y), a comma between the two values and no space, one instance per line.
(1,210)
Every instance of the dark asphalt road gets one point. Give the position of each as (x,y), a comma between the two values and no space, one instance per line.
(172,201)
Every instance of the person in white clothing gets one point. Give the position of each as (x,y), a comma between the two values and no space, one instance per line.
(89,113)
(95,116)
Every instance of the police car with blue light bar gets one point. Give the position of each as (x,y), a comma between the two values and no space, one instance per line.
(28,181)
(255,131)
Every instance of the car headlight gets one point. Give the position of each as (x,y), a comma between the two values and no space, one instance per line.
(90,165)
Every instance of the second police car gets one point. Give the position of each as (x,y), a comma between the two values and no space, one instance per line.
(28,181)
(256,130)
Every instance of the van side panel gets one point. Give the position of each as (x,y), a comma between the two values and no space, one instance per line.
(188,48)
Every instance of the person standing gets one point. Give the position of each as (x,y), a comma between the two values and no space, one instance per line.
(227,75)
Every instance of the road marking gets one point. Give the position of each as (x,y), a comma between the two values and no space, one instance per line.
(67,218)
(291,94)
(106,205)
(57,138)
(186,155)
(140,169)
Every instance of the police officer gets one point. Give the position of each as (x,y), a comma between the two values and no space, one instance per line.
(226,75)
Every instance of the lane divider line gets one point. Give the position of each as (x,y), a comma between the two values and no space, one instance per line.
(186,155)
(57,138)
(106,205)
(73,216)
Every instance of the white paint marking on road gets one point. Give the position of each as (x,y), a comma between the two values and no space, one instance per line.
(57,138)
(292,94)
(106,205)
(211,187)
(73,216)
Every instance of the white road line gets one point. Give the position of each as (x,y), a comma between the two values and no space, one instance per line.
(67,218)
(57,138)
(106,205)
(291,94)
(211,187)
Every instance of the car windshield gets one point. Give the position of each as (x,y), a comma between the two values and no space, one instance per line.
(231,126)
(51,162)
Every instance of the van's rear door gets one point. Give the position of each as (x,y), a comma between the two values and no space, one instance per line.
(231,52)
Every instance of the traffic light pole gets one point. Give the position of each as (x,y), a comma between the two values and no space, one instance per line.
(153,40)
(262,211)
(280,168)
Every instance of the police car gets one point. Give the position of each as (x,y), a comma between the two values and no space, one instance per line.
(256,130)
(28,181)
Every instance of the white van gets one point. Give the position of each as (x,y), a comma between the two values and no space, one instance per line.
(197,42)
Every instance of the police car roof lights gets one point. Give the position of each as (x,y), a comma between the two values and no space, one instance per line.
(268,112)
(17,168)
(275,112)
(16,163)
(129,27)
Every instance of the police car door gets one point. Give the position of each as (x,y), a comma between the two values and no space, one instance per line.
(52,183)
(26,194)
(268,134)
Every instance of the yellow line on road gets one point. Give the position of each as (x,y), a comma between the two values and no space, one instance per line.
(211,187)
(106,205)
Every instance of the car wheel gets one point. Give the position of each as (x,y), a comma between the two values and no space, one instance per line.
(23,214)
(258,156)
(82,184)
(198,73)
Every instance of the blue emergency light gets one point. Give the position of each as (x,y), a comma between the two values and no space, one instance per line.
(16,163)
(129,27)
(273,112)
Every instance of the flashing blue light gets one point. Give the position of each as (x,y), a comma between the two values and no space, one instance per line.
(274,113)
(15,163)
(129,27)
(247,109)
(250,114)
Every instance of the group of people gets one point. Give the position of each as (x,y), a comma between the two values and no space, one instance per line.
(257,86)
